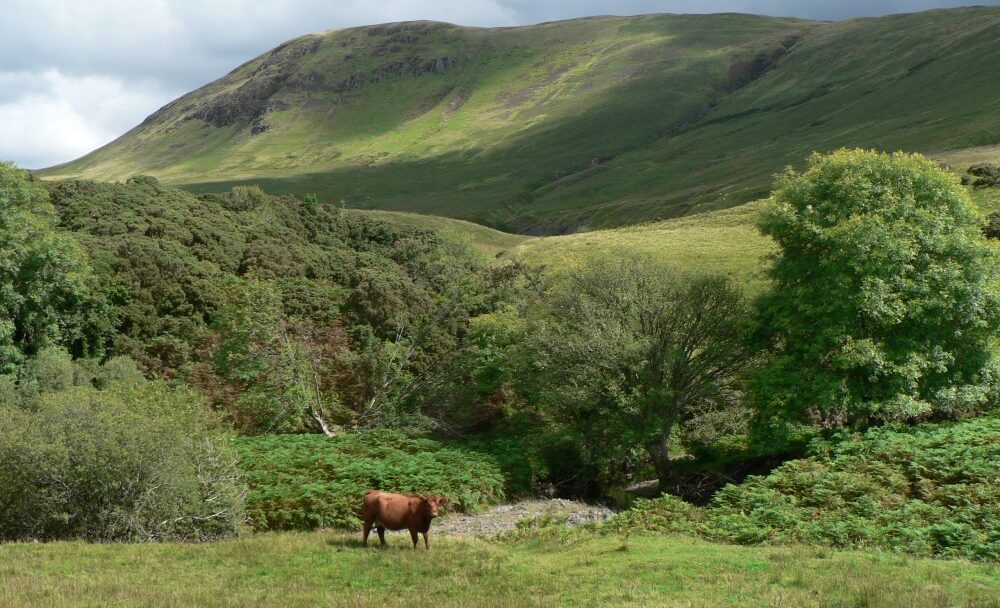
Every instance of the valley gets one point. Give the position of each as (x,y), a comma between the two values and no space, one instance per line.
(685,310)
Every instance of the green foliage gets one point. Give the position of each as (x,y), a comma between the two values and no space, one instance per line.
(883,304)
(991,229)
(928,490)
(280,389)
(50,370)
(535,458)
(630,354)
(311,481)
(664,515)
(132,462)
(246,198)
(119,370)
(374,313)
(46,289)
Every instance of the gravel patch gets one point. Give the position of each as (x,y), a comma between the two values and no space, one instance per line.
(505,517)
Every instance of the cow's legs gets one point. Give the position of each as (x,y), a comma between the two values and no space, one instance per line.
(381,533)
(426,544)
(413,537)
(365,532)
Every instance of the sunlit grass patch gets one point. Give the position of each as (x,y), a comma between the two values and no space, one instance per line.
(331,569)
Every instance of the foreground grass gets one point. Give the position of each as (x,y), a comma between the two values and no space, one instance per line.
(324,568)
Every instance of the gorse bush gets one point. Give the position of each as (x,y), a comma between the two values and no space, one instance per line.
(380,310)
(313,481)
(133,462)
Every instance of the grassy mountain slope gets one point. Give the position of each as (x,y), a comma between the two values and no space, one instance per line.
(723,242)
(582,123)
(482,237)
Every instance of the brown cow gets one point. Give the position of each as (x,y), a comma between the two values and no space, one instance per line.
(397,511)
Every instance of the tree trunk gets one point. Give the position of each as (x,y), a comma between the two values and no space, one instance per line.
(660,455)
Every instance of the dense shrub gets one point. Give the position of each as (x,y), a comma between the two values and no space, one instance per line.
(133,462)
(666,514)
(986,174)
(382,309)
(313,481)
(991,229)
(929,490)
(932,490)
(536,460)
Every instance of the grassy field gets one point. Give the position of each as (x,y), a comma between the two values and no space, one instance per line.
(576,124)
(331,569)
(484,238)
(721,242)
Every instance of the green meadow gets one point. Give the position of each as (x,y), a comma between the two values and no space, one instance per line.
(332,569)
(723,242)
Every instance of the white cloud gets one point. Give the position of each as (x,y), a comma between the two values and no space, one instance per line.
(58,117)
(74,75)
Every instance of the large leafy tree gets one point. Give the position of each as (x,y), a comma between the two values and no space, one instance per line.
(882,304)
(47,294)
(276,361)
(631,354)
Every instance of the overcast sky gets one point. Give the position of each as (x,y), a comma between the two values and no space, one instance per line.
(76,74)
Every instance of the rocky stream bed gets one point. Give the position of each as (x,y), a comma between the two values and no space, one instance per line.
(506,517)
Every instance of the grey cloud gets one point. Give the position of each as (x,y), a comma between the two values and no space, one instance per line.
(825,10)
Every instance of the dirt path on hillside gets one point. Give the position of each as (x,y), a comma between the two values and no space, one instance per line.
(506,517)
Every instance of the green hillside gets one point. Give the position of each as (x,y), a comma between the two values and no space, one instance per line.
(719,242)
(724,242)
(561,126)
(482,237)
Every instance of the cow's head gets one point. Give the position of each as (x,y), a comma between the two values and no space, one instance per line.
(432,503)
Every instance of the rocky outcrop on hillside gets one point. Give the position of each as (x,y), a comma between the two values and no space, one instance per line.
(410,66)
(253,98)
(280,75)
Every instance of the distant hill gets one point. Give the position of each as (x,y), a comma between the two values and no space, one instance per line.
(560,126)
